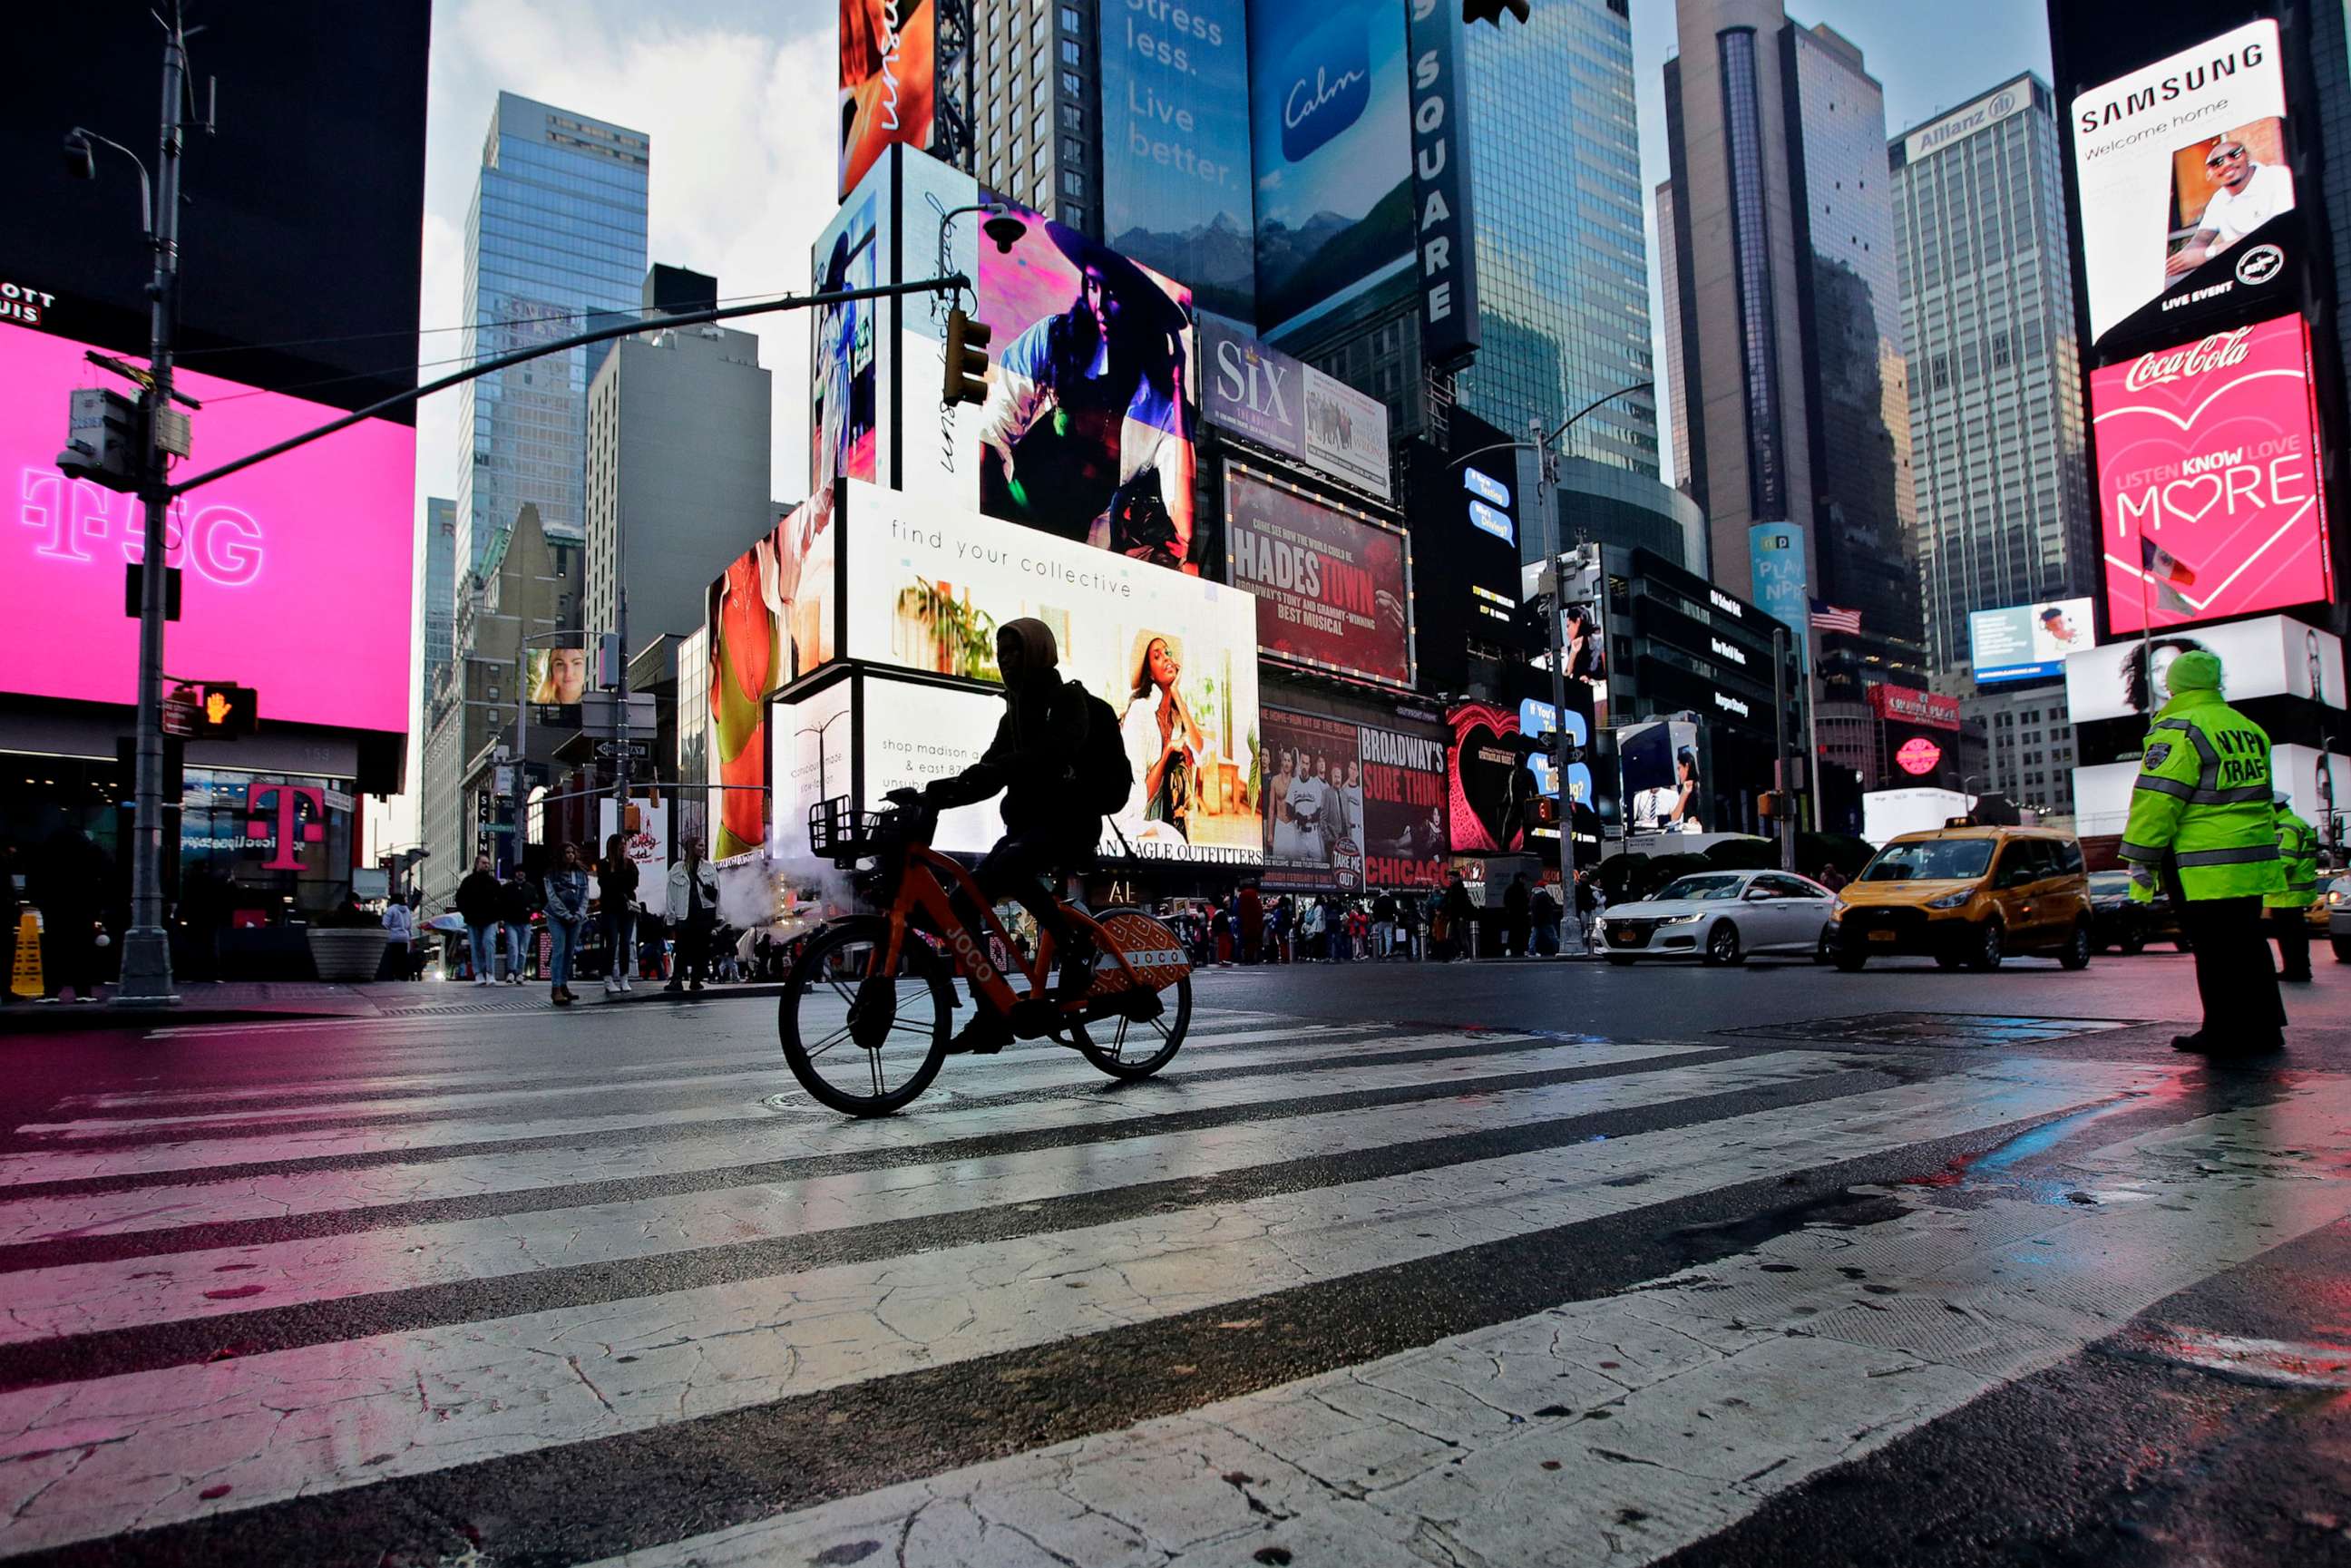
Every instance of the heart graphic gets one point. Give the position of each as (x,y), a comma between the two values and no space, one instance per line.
(1486,761)
(2171,496)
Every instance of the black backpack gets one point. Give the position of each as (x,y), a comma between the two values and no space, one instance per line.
(1104,776)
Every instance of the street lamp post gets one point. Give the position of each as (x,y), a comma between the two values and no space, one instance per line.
(1546,480)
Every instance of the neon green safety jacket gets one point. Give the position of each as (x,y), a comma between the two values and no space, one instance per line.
(2297,843)
(2203,799)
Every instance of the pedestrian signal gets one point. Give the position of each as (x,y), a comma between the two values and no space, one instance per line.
(967,376)
(224,711)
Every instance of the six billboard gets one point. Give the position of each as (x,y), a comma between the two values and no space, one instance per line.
(2187,206)
(2024,641)
(1175,171)
(1332,584)
(888,71)
(1330,141)
(1262,393)
(2209,489)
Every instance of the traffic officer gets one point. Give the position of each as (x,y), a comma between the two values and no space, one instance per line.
(2289,910)
(2202,822)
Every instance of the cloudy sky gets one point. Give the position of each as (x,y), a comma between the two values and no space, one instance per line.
(737,97)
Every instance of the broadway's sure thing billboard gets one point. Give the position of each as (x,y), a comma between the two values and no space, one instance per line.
(2270,656)
(2209,490)
(2025,641)
(1330,134)
(1262,393)
(887,53)
(1332,584)
(2187,201)
(1173,655)
(1176,149)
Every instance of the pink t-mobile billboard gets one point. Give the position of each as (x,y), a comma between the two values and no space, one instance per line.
(295,574)
(2209,489)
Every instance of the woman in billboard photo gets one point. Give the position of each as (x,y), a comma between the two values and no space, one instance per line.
(2147,672)
(561,676)
(1683,818)
(1086,425)
(1586,656)
(1162,740)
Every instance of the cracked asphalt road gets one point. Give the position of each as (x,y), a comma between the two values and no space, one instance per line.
(1485,1264)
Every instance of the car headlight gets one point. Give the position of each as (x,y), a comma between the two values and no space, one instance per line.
(1951,900)
(1680,919)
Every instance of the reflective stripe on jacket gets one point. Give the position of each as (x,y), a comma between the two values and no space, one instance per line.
(2297,843)
(2203,800)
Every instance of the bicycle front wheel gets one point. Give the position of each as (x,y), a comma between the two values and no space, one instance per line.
(864,1038)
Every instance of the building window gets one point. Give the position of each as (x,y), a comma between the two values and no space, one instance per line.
(1073,184)
(1072,83)
(1752,266)
(1070,21)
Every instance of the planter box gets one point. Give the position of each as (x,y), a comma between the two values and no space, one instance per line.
(348,953)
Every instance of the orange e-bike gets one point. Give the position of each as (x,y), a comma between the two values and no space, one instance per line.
(868,1012)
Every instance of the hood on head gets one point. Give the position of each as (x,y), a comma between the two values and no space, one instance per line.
(1039,654)
(2194,671)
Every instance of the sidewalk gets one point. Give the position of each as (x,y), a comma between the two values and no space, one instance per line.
(245,1001)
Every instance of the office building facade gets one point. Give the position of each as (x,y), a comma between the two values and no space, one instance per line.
(555,243)
(436,591)
(2003,505)
(677,473)
(1782,256)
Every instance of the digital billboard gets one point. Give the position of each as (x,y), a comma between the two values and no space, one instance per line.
(844,368)
(888,49)
(2209,490)
(770,621)
(556,677)
(273,560)
(2270,656)
(1332,585)
(1175,148)
(1264,394)
(2025,641)
(1173,655)
(1310,810)
(1330,137)
(1403,825)
(1493,787)
(1780,582)
(1664,791)
(2187,200)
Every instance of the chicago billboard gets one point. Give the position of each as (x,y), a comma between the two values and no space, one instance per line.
(2187,200)
(1332,585)
(2209,486)
(269,557)
(888,50)
(1331,138)
(2025,641)
(1175,151)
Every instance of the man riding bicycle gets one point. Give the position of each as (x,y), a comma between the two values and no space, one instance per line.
(1051,759)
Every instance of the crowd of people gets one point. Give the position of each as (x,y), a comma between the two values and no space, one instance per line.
(1438,924)
(606,922)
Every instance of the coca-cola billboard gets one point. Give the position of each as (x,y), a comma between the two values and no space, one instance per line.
(2209,493)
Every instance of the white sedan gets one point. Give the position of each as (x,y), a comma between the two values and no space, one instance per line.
(1720,916)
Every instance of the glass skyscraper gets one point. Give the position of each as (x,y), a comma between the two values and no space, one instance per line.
(554,242)
(2004,514)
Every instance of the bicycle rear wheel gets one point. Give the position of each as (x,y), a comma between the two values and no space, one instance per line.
(859,1040)
(1130,1047)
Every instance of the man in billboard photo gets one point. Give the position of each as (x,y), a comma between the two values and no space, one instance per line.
(1085,421)
(1164,741)
(2246,193)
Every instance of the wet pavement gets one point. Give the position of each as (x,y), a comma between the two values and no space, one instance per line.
(1485,1264)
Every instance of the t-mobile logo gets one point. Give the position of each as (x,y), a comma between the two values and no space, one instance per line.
(292,829)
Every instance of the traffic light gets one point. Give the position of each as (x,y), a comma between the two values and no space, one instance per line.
(1491,10)
(224,710)
(967,360)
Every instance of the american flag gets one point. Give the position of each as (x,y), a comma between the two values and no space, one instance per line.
(1829,618)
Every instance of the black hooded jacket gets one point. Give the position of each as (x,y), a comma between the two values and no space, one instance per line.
(1033,759)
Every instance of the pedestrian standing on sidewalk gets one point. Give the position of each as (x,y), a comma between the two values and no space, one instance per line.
(477,903)
(398,932)
(1460,914)
(616,891)
(1543,910)
(1252,912)
(1515,917)
(1587,907)
(1383,914)
(567,916)
(515,905)
(1408,923)
(693,911)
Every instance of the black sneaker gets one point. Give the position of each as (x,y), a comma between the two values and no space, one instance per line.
(984,1034)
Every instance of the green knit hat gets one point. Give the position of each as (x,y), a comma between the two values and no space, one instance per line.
(2195,671)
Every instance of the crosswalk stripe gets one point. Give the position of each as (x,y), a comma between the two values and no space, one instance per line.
(95,1298)
(87,1457)
(1487,1446)
(754,1136)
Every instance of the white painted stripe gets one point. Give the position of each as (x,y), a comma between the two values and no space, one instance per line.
(140,1291)
(765,1064)
(767,1136)
(109,1455)
(729,1105)
(1688,1405)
